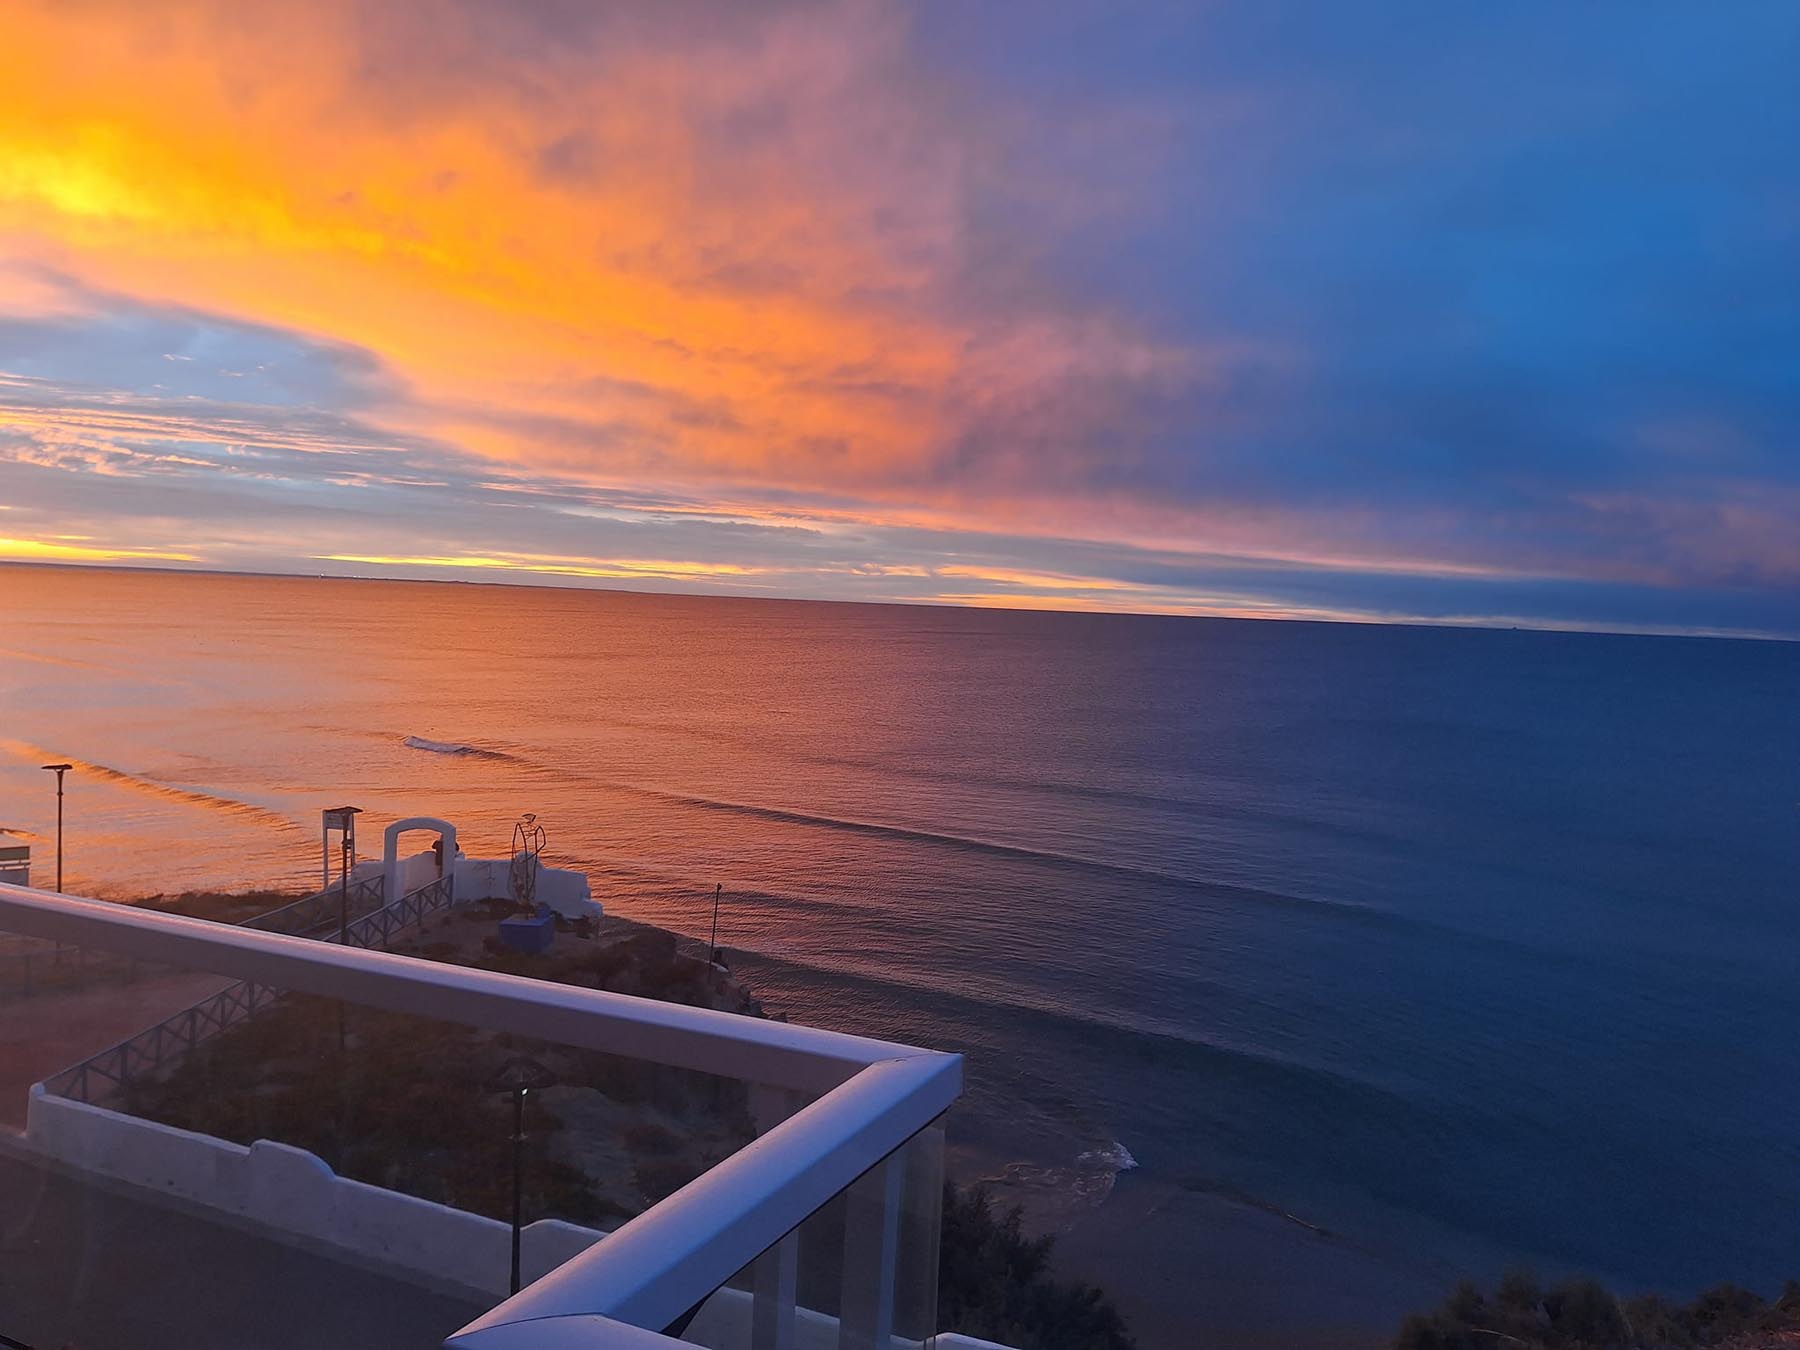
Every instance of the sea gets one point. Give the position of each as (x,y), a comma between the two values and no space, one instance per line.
(1476,947)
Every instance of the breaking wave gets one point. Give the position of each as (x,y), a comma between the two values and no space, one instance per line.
(230,806)
(452,748)
(1061,1192)
(1115,1157)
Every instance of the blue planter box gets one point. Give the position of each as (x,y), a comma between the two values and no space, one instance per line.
(529,935)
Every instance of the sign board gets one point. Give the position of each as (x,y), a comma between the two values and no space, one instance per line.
(343,820)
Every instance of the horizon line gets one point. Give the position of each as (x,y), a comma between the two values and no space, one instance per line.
(1494,624)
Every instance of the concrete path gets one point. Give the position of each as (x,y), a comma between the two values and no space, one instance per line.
(86,1265)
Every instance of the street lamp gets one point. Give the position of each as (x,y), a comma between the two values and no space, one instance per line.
(520,1075)
(59,770)
(343,820)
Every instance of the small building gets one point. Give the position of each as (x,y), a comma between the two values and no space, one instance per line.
(15,862)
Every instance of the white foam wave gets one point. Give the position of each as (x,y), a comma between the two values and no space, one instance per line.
(1115,1157)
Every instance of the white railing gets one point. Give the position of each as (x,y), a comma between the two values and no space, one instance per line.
(872,1098)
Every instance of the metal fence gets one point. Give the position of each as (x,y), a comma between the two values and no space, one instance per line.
(323,908)
(30,967)
(151,1051)
(379,928)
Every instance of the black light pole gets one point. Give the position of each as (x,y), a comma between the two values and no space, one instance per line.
(518,1161)
(519,1075)
(59,770)
(713,946)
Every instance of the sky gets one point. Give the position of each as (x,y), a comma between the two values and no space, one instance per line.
(1407,311)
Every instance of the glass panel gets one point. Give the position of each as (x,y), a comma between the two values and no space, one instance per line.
(284,1142)
(116,1230)
(826,1254)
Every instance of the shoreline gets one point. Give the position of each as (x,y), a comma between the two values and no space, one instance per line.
(1188,1267)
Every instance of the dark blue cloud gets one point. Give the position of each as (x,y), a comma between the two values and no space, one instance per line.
(1519,254)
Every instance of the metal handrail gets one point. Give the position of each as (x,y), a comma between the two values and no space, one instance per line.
(375,930)
(321,908)
(149,1050)
(877,1097)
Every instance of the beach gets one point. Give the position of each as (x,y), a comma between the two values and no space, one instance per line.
(1194,1269)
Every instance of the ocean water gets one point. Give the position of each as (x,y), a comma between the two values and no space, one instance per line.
(1474,946)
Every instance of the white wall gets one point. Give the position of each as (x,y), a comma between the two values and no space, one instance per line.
(419,870)
(415,872)
(565,891)
(294,1191)
(483,879)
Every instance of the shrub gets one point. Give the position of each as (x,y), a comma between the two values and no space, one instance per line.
(995,1283)
(1583,1315)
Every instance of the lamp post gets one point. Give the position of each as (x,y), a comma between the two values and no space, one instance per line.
(343,820)
(59,770)
(520,1076)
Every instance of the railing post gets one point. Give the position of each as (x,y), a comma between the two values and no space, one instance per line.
(871,1255)
(776,1279)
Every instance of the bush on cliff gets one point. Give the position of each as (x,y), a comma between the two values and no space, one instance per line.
(1583,1315)
(995,1283)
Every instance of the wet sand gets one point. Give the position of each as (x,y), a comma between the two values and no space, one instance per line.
(1189,1268)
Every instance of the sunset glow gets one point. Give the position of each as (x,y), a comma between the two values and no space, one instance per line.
(826,300)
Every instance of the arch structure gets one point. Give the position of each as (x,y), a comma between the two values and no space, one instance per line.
(390,851)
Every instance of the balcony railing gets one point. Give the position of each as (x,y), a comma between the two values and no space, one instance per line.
(859,1139)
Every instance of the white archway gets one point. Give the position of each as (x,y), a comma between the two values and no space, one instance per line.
(390,851)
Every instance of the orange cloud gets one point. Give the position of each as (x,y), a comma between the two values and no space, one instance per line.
(726,250)
(54,550)
(610,308)
(613,568)
(1033,580)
